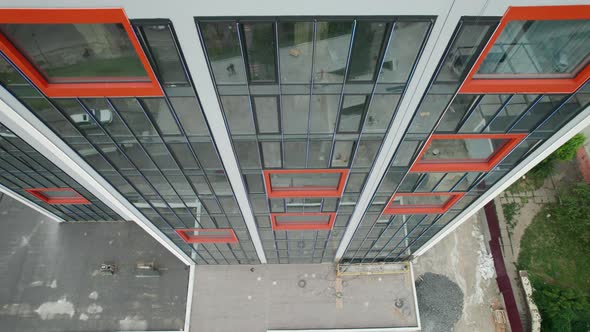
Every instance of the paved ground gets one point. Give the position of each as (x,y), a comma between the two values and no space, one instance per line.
(49,277)
(462,257)
(257,298)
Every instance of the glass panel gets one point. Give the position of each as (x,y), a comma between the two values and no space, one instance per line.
(295,114)
(368,41)
(331,51)
(237,113)
(296,49)
(380,113)
(247,153)
(484,112)
(295,154)
(319,154)
(161,43)
(259,40)
(133,114)
(402,52)
(419,201)
(366,152)
(538,113)
(517,105)
(305,181)
(324,109)
(303,219)
(78,53)
(161,115)
(190,115)
(50,194)
(271,153)
(456,112)
(351,115)
(267,114)
(538,49)
(462,150)
(342,153)
(223,50)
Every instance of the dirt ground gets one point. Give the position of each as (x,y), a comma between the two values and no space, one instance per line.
(459,257)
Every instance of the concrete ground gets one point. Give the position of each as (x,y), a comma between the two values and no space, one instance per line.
(50,278)
(257,298)
(462,257)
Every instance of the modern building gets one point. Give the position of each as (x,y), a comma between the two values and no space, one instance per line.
(238,132)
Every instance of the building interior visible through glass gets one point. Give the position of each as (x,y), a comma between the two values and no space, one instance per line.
(462,150)
(305,181)
(538,49)
(78,53)
(420,201)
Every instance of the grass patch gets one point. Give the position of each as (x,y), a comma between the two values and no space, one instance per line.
(555,249)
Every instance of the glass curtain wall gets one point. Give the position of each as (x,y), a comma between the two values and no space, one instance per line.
(309,94)
(443,111)
(157,152)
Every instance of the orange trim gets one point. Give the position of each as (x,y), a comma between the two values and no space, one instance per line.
(463,165)
(541,85)
(422,208)
(229,238)
(76,198)
(78,16)
(302,192)
(302,226)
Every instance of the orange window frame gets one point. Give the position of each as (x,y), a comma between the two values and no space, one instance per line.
(203,238)
(462,166)
(303,226)
(303,192)
(78,16)
(422,209)
(529,85)
(76,198)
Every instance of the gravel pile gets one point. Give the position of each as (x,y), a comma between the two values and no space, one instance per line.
(440,302)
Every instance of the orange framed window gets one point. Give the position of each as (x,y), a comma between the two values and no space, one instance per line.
(421,203)
(302,221)
(207,235)
(539,49)
(77,52)
(464,152)
(57,196)
(305,182)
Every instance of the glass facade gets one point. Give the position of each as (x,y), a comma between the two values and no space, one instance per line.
(315,95)
(307,103)
(413,203)
(26,172)
(157,152)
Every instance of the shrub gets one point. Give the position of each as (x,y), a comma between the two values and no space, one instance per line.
(568,150)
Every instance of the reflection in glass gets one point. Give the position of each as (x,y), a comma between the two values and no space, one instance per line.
(238,115)
(259,39)
(483,113)
(267,114)
(368,40)
(304,181)
(223,50)
(351,115)
(271,154)
(538,49)
(295,51)
(319,154)
(342,153)
(295,114)
(403,49)
(331,51)
(380,113)
(161,42)
(462,150)
(78,53)
(324,109)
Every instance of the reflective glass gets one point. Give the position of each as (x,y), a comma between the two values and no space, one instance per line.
(223,50)
(238,115)
(259,39)
(324,109)
(351,115)
(483,113)
(380,113)
(462,150)
(538,49)
(295,110)
(168,64)
(295,51)
(267,114)
(419,201)
(78,53)
(304,181)
(303,219)
(368,42)
(331,51)
(271,153)
(342,153)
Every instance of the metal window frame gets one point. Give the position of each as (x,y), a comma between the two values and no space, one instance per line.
(454,197)
(76,197)
(448,165)
(311,192)
(230,238)
(292,226)
(78,16)
(528,85)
